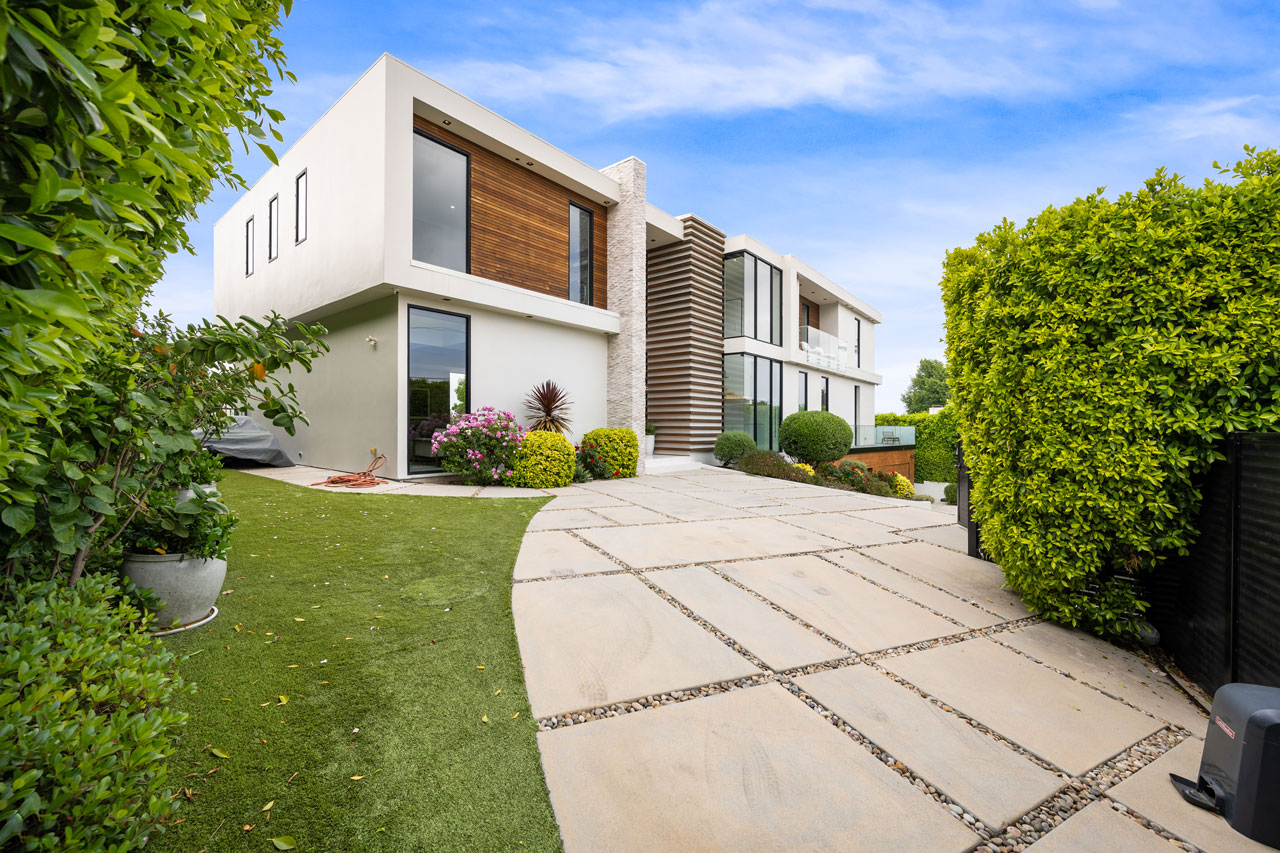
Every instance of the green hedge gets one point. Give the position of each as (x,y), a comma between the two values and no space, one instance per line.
(936,437)
(1096,355)
(733,445)
(544,460)
(815,437)
(618,448)
(85,726)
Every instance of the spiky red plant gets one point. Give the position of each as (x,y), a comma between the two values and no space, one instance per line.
(548,407)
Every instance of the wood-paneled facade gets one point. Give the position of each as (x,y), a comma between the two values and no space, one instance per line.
(685,347)
(899,460)
(520,223)
(815,311)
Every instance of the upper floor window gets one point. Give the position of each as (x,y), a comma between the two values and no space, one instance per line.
(273,228)
(580,221)
(248,246)
(752,298)
(857,341)
(300,207)
(441,204)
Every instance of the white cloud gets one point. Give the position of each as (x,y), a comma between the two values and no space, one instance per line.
(1250,118)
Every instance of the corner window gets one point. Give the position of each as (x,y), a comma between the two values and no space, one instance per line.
(248,246)
(826,394)
(300,207)
(273,228)
(441,204)
(752,299)
(753,397)
(580,222)
(803,391)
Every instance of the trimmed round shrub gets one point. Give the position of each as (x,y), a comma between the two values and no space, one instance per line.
(86,719)
(617,449)
(815,437)
(544,460)
(731,446)
(1098,354)
(902,487)
(950,493)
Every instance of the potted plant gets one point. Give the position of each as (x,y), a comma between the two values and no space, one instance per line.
(178,551)
(650,437)
(203,471)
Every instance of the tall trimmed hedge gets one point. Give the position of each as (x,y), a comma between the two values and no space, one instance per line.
(1097,354)
(814,436)
(936,437)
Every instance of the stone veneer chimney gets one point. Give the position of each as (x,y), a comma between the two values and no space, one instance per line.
(627,248)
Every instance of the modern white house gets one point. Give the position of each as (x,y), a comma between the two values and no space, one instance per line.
(458,260)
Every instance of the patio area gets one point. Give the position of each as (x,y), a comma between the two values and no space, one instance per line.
(719,661)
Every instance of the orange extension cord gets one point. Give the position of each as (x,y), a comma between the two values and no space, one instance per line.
(359,480)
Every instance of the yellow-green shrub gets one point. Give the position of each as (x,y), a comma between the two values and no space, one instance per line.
(902,487)
(544,460)
(1096,356)
(618,450)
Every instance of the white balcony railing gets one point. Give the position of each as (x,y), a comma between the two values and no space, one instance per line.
(822,349)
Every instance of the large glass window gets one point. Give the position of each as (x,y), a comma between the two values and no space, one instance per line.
(439,357)
(753,397)
(579,254)
(803,391)
(752,298)
(441,202)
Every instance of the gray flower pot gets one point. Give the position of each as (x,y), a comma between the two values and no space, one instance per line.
(188,586)
(181,495)
(649,441)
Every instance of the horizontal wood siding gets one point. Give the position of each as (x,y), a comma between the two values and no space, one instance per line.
(520,223)
(898,461)
(685,346)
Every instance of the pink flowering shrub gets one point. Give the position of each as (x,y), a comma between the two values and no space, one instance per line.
(479,446)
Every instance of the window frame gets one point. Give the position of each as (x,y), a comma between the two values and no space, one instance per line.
(591,250)
(751,299)
(857,341)
(250,236)
(825,391)
(802,398)
(408,365)
(300,220)
(464,153)
(774,371)
(273,228)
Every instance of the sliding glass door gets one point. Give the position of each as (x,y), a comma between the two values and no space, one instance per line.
(439,363)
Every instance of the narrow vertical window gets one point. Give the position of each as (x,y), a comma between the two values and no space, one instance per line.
(857,341)
(764,301)
(826,394)
(580,221)
(733,296)
(803,391)
(775,334)
(273,228)
(300,207)
(248,246)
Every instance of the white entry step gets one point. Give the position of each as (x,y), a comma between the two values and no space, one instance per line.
(670,464)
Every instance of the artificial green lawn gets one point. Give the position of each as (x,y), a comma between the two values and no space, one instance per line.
(369,612)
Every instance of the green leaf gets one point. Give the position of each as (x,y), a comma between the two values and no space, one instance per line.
(20,518)
(284,842)
(219,753)
(27,237)
(271,155)
(59,304)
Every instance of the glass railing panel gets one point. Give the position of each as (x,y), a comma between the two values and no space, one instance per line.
(823,349)
(895,435)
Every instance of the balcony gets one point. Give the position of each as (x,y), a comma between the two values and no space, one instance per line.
(822,349)
(884,436)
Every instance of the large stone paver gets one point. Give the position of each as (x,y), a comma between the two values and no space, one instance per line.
(740,499)
(906,517)
(994,782)
(1098,828)
(631,515)
(687,507)
(832,502)
(951,536)
(855,612)
(586,500)
(1150,794)
(845,527)
(554,553)
(1060,720)
(961,574)
(751,769)
(566,519)
(595,641)
(778,641)
(654,545)
(929,596)
(1109,668)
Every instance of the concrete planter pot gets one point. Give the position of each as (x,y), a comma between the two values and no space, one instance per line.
(648,444)
(188,586)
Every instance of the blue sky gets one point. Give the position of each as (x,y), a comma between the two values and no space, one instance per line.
(867,138)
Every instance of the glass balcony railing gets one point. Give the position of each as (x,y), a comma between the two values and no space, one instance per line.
(822,349)
(881,436)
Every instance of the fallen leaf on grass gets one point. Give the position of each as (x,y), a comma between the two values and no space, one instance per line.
(496,692)
(225,699)
(299,619)
(485,718)
(284,842)
(249,826)
(227,591)
(219,753)
(284,700)
(268,806)
(292,666)
(479,667)
(264,704)
(516,714)
(238,627)
(356,778)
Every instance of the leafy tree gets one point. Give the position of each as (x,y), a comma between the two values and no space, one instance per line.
(1098,355)
(116,121)
(928,387)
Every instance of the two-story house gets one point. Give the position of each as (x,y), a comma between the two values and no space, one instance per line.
(457,260)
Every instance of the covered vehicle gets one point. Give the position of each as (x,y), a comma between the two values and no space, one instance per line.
(250,441)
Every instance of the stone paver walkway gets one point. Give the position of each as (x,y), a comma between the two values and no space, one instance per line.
(724,662)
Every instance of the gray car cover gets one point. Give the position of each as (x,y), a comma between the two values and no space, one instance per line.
(249,440)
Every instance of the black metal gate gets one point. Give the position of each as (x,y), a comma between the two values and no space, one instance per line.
(1218,608)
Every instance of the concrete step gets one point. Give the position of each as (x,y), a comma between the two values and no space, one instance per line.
(670,464)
